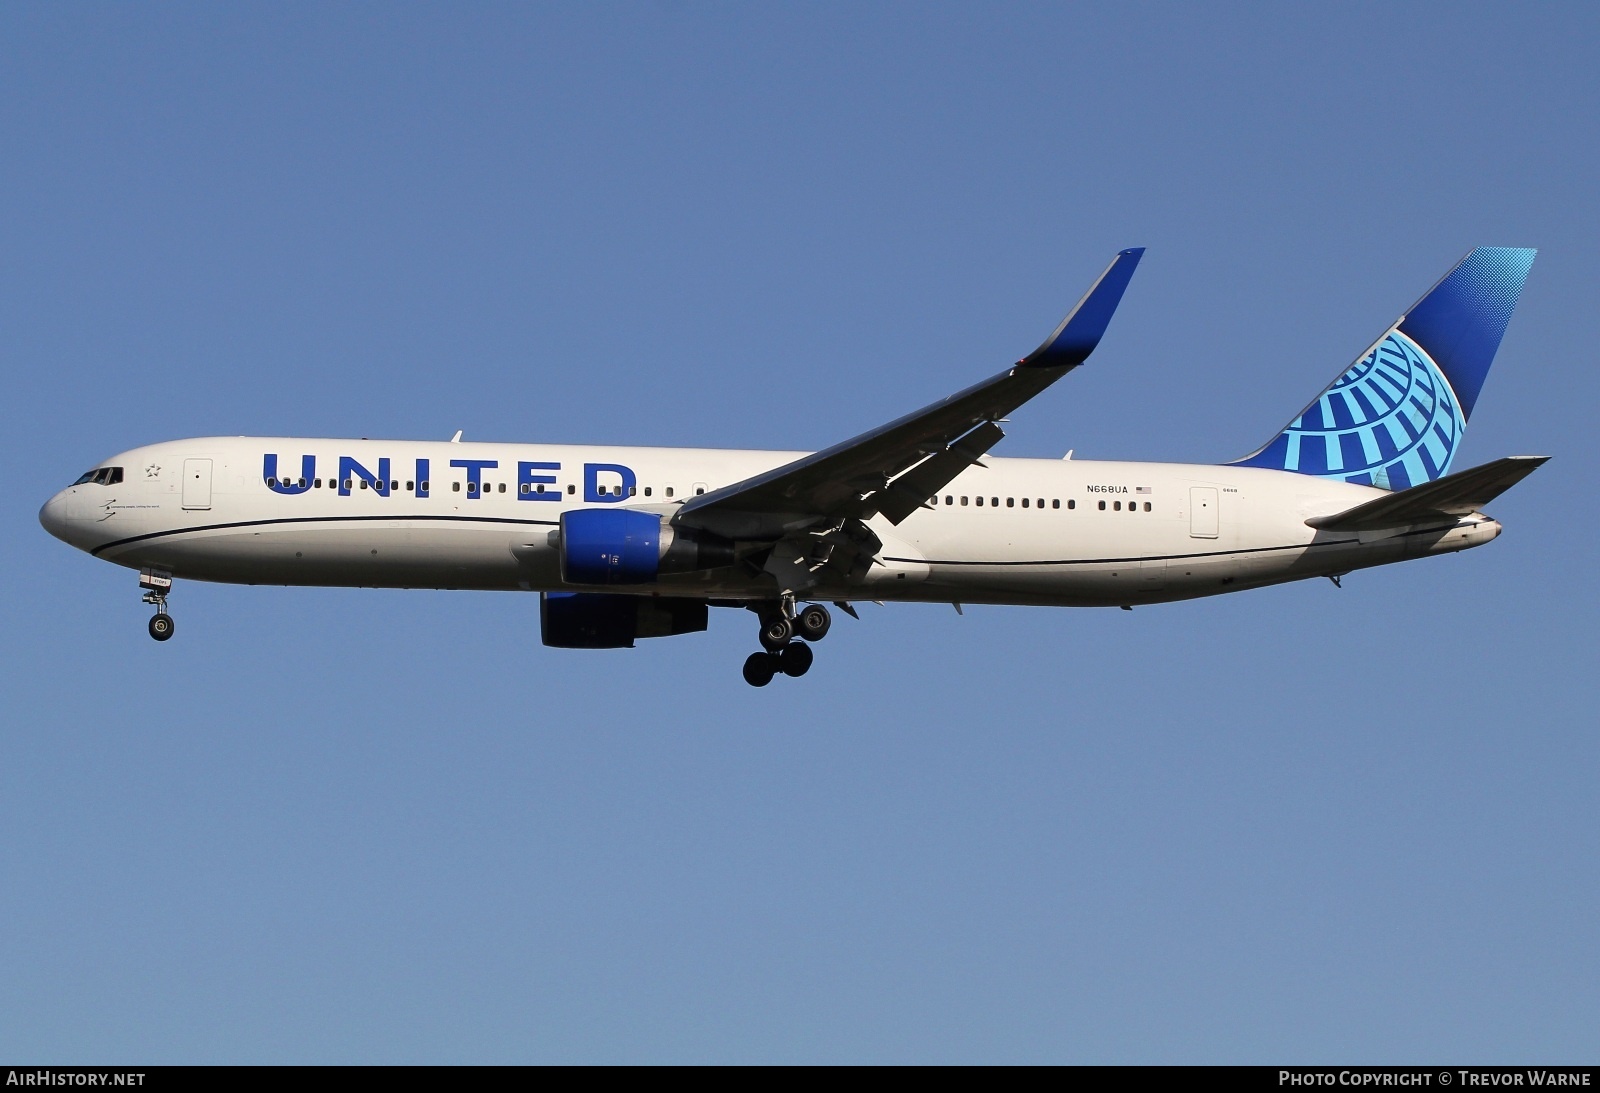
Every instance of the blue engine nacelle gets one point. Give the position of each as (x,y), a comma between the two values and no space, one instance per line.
(623,546)
(610,546)
(598,620)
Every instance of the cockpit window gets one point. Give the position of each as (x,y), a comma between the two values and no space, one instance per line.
(101,476)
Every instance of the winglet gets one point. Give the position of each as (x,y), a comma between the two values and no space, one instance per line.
(1083,327)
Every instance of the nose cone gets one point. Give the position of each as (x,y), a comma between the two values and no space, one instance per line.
(64,517)
(54,517)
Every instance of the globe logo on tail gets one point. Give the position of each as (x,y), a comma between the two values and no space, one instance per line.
(1391,420)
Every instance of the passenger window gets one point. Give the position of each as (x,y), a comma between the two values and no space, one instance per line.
(949,499)
(409,485)
(1116,506)
(1071,503)
(525,488)
(272,483)
(424,486)
(1147,506)
(347,485)
(647,491)
(301,483)
(1055,503)
(1041,502)
(502,487)
(1102,506)
(980,502)
(456,486)
(698,490)
(363,483)
(316,483)
(994,502)
(571,490)
(669,491)
(963,499)
(1011,502)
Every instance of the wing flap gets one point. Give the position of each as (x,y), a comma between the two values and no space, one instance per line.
(911,490)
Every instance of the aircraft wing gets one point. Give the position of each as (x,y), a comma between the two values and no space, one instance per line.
(1453,495)
(895,468)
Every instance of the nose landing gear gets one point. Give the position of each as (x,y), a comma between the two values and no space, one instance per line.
(156,585)
(779,625)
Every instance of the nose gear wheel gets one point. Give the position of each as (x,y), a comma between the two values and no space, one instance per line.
(156,585)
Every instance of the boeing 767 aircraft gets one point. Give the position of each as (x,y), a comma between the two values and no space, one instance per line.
(624,543)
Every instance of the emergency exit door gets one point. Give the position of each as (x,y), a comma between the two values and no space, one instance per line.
(197,483)
(1203,522)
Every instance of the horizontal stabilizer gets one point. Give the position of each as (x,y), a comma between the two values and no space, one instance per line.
(1445,498)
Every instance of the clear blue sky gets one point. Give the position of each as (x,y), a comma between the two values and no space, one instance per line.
(360,826)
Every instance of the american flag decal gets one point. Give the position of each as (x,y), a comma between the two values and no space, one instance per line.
(1141,489)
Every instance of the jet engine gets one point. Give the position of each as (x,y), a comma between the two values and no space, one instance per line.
(625,546)
(600,620)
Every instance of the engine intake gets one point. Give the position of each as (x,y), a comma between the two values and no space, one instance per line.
(625,546)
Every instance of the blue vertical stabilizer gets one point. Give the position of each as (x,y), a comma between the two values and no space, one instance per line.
(1396,417)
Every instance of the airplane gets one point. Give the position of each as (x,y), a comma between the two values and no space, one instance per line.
(623,543)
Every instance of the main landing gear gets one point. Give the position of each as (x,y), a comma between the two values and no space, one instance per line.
(156,585)
(780,625)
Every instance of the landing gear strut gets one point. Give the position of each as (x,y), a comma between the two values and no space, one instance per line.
(156,585)
(779,626)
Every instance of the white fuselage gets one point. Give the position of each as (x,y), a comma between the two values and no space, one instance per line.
(481,516)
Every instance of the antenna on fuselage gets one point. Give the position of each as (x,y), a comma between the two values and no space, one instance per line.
(457,438)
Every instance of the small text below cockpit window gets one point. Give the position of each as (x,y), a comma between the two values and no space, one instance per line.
(101,476)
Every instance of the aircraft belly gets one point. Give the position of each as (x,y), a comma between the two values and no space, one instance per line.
(364,555)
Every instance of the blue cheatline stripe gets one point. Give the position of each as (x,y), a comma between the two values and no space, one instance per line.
(317,520)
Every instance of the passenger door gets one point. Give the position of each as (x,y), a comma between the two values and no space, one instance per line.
(197,483)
